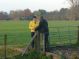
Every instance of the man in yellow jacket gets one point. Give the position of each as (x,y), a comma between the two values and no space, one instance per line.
(32,25)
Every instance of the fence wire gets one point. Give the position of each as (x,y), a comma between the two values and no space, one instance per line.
(63,35)
(17,40)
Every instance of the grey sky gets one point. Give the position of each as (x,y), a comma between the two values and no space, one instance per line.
(49,5)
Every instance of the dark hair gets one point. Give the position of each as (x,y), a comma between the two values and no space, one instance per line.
(34,17)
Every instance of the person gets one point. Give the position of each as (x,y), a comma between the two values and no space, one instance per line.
(43,28)
(32,25)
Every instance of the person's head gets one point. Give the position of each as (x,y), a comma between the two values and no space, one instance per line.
(41,17)
(34,18)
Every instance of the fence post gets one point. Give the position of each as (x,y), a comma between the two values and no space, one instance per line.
(5,44)
(78,36)
(43,42)
(37,42)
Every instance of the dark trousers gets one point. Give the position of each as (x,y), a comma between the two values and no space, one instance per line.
(32,34)
(46,41)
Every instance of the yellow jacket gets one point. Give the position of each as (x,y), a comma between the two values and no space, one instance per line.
(33,25)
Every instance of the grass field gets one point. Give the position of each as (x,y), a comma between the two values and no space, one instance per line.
(19,34)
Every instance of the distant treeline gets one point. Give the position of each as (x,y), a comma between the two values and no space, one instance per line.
(63,14)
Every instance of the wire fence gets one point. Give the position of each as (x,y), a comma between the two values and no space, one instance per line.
(63,35)
(12,43)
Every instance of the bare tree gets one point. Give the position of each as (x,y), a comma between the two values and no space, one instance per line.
(73,13)
(4,15)
(74,3)
(19,14)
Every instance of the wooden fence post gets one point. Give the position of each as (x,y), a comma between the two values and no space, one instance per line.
(78,36)
(37,42)
(43,43)
(27,46)
(5,44)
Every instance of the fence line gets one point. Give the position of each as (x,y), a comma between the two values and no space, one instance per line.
(63,34)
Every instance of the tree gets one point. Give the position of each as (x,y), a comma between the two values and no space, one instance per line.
(74,3)
(63,14)
(74,9)
(53,15)
(13,14)
(4,16)
(43,12)
(37,13)
(40,12)
(27,12)
(20,14)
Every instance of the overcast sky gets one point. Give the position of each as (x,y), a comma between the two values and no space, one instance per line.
(49,5)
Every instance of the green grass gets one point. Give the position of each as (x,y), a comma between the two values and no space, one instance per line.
(33,55)
(19,34)
(63,32)
(15,30)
